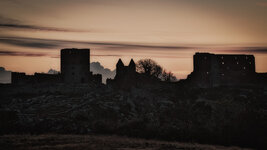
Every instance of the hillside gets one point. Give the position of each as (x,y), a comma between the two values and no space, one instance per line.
(225,116)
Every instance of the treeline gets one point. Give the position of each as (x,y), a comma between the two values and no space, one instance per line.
(152,69)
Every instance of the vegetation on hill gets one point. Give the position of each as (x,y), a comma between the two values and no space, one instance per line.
(166,111)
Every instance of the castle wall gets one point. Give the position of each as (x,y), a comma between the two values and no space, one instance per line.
(75,68)
(216,70)
(37,78)
(18,78)
(95,78)
(46,78)
(75,65)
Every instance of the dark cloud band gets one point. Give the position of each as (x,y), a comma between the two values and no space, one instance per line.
(29,43)
(58,44)
(10,23)
(33,27)
(16,53)
(50,43)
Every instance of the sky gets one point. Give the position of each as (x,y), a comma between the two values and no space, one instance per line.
(32,32)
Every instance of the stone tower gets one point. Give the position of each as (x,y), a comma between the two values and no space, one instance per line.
(75,65)
(132,66)
(119,68)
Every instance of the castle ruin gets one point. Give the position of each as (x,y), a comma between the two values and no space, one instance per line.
(75,65)
(223,70)
(210,70)
(126,76)
(75,69)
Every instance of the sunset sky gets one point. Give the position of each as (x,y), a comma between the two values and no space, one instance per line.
(32,32)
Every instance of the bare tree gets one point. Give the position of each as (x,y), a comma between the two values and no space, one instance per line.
(149,67)
(168,76)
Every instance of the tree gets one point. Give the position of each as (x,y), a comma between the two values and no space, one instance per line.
(149,67)
(168,76)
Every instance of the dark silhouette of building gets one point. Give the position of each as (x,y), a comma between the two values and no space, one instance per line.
(96,78)
(210,70)
(75,65)
(261,78)
(126,76)
(41,78)
(75,69)
(218,70)
(18,78)
(125,71)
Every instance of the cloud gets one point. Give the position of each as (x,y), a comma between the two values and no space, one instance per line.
(8,20)
(258,50)
(34,27)
(50,43)
(34,54)
(32,43)
(5,75)
(97,68)
(263,4)
(52,71)
(26,54)
(10,23)
(58,44)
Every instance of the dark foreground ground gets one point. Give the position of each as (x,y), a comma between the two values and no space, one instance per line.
(171,112)
(82,142)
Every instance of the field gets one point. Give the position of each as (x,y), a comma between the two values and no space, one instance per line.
(92,142)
